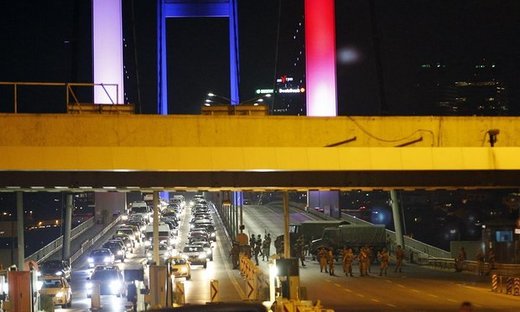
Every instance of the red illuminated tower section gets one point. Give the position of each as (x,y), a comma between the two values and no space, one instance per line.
(320,53)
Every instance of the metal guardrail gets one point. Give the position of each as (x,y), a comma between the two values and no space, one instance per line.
(69,90)
(49,249)
(89,242)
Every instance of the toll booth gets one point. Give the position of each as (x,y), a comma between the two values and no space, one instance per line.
(504,237)
(288,278)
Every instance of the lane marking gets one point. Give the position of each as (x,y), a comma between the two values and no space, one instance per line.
(401,285)
(389,281)
(375,300)
(433,296)
(451,300)
(415,290)
(360,295)
(347,290)
(391,305)
(336,284)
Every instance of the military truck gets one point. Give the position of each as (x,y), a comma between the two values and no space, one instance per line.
(310,229)
(351,235)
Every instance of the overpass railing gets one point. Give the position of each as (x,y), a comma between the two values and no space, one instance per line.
(51,248)
(70,91)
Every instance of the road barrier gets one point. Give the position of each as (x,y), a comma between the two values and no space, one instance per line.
(180,296)
(214,291)
(505,284)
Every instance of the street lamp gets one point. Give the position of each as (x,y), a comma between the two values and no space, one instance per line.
(255,100)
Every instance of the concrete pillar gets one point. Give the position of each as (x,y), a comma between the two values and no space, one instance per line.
(326,200)
(286,238)
(20,230)
(68,225)
(396,213)
(156,258)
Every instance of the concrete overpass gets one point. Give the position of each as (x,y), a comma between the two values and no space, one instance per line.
(94,152)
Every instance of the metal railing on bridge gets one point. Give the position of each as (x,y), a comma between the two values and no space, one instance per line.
(73,92)
(52,247)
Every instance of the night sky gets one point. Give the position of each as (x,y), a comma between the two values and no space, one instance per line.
(51,41)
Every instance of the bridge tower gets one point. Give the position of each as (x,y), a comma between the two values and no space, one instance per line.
(209,8)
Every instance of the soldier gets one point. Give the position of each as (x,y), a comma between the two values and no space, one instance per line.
(370,257)
(257,248)
(480,262)
(266,246)
(363,261)
(491,260)
(252,241)
(322,259)
(299,247)
(330,261)
(234,254)
(399,256)
(348,257)
(383,259)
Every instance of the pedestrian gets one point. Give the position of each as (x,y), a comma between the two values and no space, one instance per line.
(256,250)
(330,261)
(131,295)
(459,261)
(399,256)
(348,257)
(383,259)
(322,259)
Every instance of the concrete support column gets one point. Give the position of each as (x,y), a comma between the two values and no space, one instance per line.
(155,246)
(20,230)
(68,225)
(286,238)
(398,224)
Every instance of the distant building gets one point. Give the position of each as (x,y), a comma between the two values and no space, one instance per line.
(439,92)
(289,97)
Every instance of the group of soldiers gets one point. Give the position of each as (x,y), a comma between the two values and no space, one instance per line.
(365,258)
(256,248)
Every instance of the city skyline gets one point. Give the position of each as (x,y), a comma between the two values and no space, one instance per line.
(379,48)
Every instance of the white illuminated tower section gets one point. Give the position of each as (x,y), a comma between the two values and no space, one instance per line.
(107,41)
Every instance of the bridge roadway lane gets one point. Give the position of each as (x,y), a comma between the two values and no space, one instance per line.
(416,289)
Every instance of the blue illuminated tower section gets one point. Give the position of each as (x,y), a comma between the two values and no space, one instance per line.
(182,8)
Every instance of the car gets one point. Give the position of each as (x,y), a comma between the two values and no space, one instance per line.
(128,231)
(110,280)
(179,266)
(102,256)
(129,243)
(196,255)
(59,289)
(117,249)
(57,268)
(165,252)
(207,247)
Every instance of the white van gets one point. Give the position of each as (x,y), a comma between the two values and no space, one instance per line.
(141,208)
(165,235)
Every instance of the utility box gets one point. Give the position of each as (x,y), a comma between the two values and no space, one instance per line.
(288,277)
(20,292)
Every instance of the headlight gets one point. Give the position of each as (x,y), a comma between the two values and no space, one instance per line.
(59,294)
(90,259)
(184,269)
(115,285)
(89,285)
(59,273)
(147,243)
(172,241)
(202,255)
(38,273)
(149,255)
(128,245)
(119,252)
(107,259)
(124,217)
(213,234)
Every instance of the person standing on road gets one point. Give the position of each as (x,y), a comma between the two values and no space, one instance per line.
(480,262)
(300,249)
(399,256)
(363,262)
(322,259)
(383,259)
(266,247)
(348,257)
(330,261)
(234,254)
